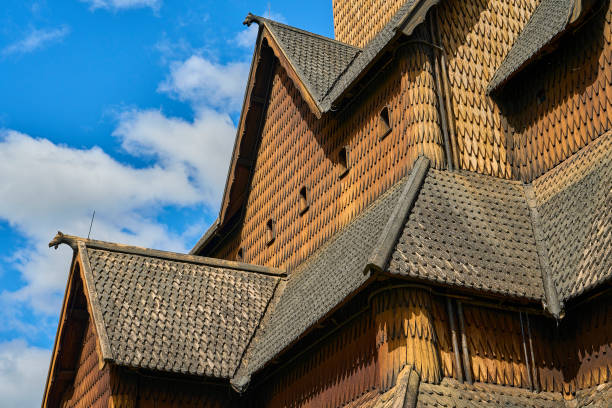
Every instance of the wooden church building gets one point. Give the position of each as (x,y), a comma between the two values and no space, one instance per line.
(417,214)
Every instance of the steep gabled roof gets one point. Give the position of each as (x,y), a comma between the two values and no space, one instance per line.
(334,272)
(549,20)
(169,312)
(471,231)
(323,70)
(328,68)
(317,60)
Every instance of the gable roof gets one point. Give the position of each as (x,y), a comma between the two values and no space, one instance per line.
(324,71)
(316,59)
(328,68)
(334,272)
(169,312)
(472,231)
(548,21)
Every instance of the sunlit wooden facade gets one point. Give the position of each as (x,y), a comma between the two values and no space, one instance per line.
(423,80)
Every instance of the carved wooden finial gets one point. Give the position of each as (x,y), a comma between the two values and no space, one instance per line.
(60,238)
(249,19)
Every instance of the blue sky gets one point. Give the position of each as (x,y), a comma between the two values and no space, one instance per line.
(125,107)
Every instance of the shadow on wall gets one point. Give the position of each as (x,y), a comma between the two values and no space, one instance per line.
(561,102)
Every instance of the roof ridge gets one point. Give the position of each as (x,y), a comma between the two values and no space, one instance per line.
(74,241)
(551,295)
(362,214)
(379,257)
(255,18)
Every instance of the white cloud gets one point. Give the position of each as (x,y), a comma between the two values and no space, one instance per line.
(246,38)
(201,148)
(23,371)
(123,4)
(36,39)
(46,187)
(205,83)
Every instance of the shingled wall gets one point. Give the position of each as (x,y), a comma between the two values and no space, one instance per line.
(299,150)
(91,384)
(357,22)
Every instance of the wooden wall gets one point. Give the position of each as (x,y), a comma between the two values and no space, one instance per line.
(298,150)
(136,390)
(407,326)
(356,22)
(365,355)
(558,105)
(91,385)
(574,355)
(476,36)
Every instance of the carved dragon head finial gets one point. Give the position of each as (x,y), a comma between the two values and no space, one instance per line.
(60,238)
(249,19)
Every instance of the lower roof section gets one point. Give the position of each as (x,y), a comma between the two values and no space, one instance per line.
(471,231)
(574,202)
(169,312)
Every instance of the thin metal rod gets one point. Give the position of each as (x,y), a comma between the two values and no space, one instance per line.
(91,223)
(451,320)
(533,363)
(528,366)
(464,346)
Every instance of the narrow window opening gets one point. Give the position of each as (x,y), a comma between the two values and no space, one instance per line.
(240,255)
(541,96)
(343,162)
(304,202)
(270,231)
(384,123)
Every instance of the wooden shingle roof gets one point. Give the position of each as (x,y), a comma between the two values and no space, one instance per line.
(471,231)
(169,312)
(462,230)
(574,202)
(318,60)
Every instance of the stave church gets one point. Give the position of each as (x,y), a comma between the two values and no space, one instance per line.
(417,213)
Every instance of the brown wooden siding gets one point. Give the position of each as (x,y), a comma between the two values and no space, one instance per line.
(561,103)
(366,354)
(408,326)
(476,36)
(357,22)
(298,150)
(136,390)
(340,370)
(572,356)
(91,385)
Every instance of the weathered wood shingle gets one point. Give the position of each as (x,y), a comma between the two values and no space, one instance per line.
(574,201)
(173,315)
(471,231)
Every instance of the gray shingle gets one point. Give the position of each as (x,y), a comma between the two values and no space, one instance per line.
(574,201)
(328,67)
(369,53)
(318,60)
(548,20)
(451,393)
(472,231)
(176,316)
(320,284)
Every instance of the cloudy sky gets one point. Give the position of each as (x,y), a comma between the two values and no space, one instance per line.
(125,107)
